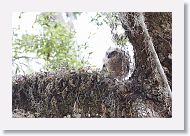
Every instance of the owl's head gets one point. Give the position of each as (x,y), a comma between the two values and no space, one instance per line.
(111,52)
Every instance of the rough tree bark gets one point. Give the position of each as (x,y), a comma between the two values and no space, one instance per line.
(67,93)
(159,26)
(83,93)
(149,73)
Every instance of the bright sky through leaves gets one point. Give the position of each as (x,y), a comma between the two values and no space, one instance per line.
(99,40)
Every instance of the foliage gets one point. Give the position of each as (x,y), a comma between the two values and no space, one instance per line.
(112,20)
(74,14)
(54,44)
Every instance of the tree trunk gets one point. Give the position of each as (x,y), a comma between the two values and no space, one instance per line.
(149,73)
(160,29)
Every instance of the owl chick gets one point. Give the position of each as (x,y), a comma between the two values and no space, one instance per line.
(116,63)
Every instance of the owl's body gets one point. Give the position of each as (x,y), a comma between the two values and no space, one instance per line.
(116,63)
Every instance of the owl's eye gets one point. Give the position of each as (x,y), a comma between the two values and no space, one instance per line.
(113,53)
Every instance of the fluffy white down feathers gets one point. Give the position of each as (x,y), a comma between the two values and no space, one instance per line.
(116,63)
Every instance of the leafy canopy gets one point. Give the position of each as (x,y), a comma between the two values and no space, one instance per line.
(54,44)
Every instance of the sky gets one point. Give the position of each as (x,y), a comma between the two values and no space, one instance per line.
(99,41)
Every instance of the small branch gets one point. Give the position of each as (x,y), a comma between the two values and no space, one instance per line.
(24,57)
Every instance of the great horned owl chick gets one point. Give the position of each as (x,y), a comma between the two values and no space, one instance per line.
(116,63)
